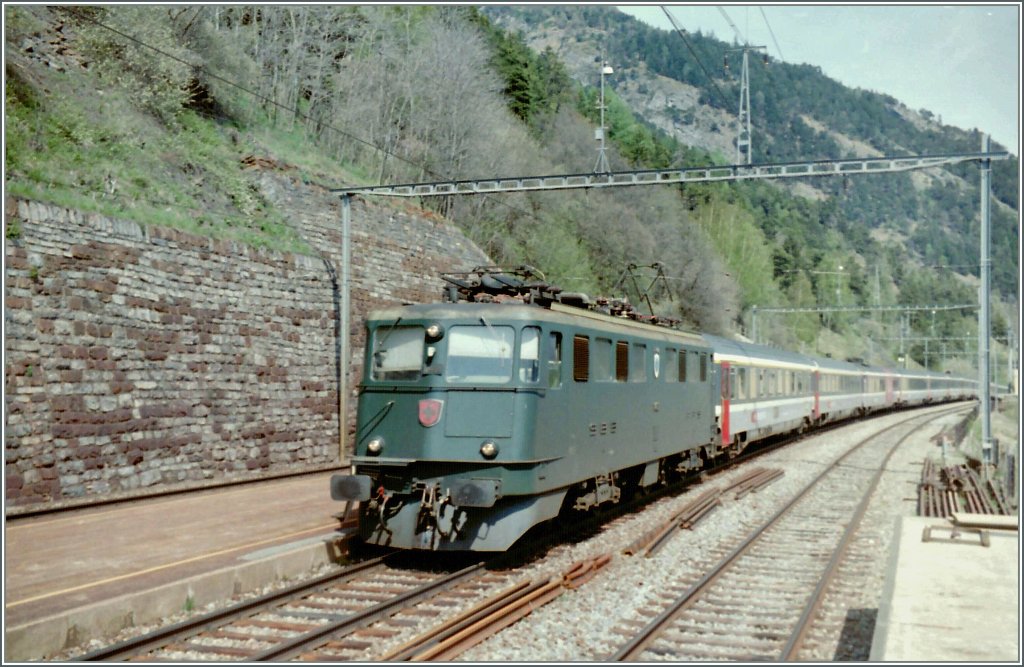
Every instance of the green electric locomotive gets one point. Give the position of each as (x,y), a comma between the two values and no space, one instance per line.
(485,415)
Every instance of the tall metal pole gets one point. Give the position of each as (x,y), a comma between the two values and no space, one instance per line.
(343,362)
(984,369)
(744,149)
(602,166)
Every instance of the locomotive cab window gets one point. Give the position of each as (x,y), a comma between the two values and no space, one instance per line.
(397,353)
(480,354)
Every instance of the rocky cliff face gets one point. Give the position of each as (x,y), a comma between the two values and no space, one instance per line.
(142,357)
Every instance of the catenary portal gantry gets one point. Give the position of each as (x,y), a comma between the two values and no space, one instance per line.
(711,174)
(735,172)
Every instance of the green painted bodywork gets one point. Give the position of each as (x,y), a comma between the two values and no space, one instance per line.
(548,438)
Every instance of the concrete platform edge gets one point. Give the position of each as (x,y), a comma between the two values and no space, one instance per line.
(44,637)
(878,642)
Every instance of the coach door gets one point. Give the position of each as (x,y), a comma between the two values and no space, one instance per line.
(726,382)
(815,383)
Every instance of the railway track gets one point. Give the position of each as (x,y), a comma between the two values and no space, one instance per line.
(745,607)
(374,610)
(356,614)
(326,612)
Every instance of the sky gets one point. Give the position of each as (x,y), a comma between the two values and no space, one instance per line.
(961,62)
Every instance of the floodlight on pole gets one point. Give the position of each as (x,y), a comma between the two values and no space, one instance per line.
(602,166)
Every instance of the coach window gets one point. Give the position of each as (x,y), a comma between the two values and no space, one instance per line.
(638,363)
(529,355)
(553,356)
(621,361)
(671,365)
(741,384)
(580,358)
(601,361)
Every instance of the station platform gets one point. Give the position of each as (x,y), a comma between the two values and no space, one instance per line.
(952,592)
(92,572)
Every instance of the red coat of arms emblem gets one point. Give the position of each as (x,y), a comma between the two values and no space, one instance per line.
(430,411)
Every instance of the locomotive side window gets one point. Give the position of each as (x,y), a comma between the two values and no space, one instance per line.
(480,354)
(682,365)
(656,359)
(704,367)
(529,355)
(671,366)
(621,361)
(554,357)
(580,358)
(639,363)
(397,353)
(601,364)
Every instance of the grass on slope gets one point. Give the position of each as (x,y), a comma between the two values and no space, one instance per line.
(76,143)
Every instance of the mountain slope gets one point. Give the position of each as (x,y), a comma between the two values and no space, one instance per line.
(798,114)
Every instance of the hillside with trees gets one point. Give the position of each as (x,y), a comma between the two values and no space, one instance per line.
(151,112)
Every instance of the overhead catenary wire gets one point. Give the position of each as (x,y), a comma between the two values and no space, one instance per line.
(244,89)
(682,33)
(771,32)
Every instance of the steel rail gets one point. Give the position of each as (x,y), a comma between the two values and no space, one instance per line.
(635,646)
(193,626)
(311,640)
(798,635)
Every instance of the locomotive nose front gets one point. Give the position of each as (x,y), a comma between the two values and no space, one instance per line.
(437,434)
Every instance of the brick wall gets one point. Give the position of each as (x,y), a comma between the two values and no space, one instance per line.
(142,357)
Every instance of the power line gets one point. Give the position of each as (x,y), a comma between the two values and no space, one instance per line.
(255,94)
(682,33)
(771,32)
(298,113)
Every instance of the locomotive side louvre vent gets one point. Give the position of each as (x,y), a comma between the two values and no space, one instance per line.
(580,358)
(621,361)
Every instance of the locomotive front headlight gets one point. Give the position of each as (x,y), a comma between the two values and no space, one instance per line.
(435,331)
(375,446)
(489,450)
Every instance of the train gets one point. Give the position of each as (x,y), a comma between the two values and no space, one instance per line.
(511,402)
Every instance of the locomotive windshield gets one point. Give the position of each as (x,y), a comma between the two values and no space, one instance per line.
(480,354)
(397,353)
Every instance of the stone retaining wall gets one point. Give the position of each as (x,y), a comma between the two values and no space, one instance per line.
(141,357)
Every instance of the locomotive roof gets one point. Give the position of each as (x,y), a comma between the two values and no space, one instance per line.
(518,311)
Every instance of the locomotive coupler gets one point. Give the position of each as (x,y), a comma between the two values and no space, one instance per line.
(432,506)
